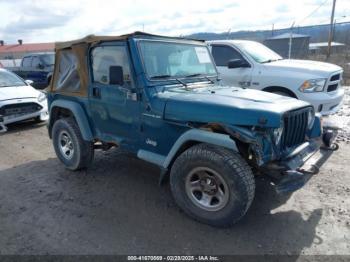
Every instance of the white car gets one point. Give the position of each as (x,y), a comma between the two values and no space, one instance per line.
(19,101)
(250,64)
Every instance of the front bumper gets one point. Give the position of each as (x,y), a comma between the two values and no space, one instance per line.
(325,103)
(42,113)
(298,166)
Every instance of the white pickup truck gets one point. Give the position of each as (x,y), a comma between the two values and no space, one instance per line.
(249,64)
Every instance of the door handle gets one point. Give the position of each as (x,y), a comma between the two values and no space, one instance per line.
(130,93)
(96,92)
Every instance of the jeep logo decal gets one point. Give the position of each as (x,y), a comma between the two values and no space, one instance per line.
(151,142)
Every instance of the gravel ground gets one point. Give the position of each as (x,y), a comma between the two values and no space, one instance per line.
(117,207)
(341,120)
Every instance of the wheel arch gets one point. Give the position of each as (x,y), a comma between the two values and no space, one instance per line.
(186,140)
(63,108)
(272,89)
(196,136)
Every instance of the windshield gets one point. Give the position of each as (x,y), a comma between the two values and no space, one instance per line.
(259,52)
(167,60)
(48,59)
(10,79)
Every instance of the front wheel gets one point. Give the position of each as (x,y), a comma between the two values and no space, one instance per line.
(70,147)
(212,184)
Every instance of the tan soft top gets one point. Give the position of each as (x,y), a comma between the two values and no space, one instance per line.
(70,76)
(92,39)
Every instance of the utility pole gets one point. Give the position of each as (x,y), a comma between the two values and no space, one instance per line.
(331,28)
(273,28)
(334,25)
(228,34)
(290,41)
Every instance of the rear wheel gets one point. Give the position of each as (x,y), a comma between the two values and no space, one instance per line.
(73,151)
(212,184)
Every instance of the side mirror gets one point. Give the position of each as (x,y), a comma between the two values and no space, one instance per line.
(29,82)
(40,66)
(116,76)
(237,63)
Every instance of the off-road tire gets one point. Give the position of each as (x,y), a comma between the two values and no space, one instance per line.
(83,150)
(234,171)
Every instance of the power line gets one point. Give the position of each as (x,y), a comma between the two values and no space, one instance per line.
(314,11)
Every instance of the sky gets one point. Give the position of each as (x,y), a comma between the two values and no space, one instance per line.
(60,20)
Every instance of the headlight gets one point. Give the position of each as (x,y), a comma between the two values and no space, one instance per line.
(41,97)
(313,85)
(278,135)
(310,118)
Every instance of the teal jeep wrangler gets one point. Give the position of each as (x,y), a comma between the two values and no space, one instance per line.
(161,99)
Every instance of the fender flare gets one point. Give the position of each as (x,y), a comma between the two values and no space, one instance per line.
(196,135)
(78,114)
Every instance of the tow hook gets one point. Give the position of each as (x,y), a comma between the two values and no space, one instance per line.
(3,128)
(328,141)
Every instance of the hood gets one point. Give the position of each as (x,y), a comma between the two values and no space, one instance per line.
(228,105)
(305,66)
(17,92)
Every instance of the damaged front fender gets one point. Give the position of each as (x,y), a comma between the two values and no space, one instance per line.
(254,144)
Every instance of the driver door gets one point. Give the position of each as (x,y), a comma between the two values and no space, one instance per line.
(231,76)
(114,107)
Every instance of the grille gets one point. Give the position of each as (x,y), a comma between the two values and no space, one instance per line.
(19,109)
(335,77)
(332,87)
(295,126)
(333,82)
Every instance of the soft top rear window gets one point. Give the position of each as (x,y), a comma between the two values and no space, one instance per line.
(67,78)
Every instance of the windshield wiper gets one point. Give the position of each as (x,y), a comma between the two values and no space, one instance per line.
(194,75)
(271,60)
(267,61)
(160,76)
(167,76)
(181,82)
(210,80)
(206,77)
